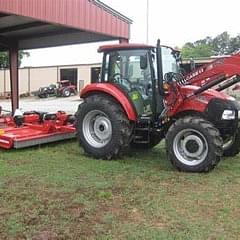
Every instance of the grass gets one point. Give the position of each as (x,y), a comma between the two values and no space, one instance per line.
(56,192)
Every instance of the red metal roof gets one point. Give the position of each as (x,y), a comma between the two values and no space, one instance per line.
(75,20)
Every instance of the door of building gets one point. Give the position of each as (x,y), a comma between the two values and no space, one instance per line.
(95,73)
(69,74)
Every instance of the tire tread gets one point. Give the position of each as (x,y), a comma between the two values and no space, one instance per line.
(214,135)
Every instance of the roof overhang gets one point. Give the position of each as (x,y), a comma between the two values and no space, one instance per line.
(38,24)
(31,34)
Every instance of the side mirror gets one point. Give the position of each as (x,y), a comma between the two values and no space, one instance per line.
(143,62)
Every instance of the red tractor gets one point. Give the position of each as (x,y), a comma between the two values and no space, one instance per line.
(66,89)
(140,99)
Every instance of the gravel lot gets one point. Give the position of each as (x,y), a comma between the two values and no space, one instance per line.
(51,104)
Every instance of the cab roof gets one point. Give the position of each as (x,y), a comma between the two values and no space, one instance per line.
(123,46)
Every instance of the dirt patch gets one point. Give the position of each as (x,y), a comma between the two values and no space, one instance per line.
(54,214)
(45,235)
(77,212)
(136,216)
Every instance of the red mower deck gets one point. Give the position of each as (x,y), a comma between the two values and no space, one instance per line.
(35,128)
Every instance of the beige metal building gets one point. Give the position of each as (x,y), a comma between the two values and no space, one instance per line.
(31,78)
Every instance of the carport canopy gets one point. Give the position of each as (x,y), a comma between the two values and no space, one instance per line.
(28,24)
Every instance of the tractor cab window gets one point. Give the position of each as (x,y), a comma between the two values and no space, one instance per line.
(169,61)
(130,70)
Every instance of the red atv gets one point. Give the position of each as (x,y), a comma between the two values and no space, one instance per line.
(66,89)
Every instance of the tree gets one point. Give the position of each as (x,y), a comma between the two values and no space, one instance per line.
(4,58)
(234,44)
(197,49)
(222,44)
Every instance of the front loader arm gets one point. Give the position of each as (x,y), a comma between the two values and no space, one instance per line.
(228,68)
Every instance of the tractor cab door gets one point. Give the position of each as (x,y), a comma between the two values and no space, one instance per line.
(166,62)
(130,70)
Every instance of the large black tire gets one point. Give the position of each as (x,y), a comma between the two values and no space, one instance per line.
(103,129)
(153,141)
(193,145)
(43,95)
(66,92)
(234,147)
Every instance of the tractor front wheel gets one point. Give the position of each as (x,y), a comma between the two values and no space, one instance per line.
(103,128)
(193,145)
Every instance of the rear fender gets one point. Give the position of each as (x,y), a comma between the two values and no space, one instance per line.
(113,91)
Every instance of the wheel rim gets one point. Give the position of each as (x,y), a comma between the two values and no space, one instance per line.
(190,147)
(97,129)
(67,93)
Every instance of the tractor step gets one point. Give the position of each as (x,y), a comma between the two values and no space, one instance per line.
(142,130)
(141,141)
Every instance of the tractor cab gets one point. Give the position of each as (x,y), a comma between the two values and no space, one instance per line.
(133,69)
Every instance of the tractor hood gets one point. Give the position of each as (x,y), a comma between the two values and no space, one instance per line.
(188,90)
(188,101)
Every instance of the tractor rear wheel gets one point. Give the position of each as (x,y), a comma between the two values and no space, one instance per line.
(193,145)
(231,147)
(103,128)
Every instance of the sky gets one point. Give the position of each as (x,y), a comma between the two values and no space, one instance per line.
(175,22)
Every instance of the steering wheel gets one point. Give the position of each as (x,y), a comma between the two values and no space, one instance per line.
(171,76)
(118,78)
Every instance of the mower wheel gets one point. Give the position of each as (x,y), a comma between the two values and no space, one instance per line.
(103,128)
(193,145)
(232,147)
(66,92)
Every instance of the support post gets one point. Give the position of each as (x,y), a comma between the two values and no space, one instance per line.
(29,81)
(13,58)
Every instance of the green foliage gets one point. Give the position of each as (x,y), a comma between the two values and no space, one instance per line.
(4,58)
(220,45)
(194,50)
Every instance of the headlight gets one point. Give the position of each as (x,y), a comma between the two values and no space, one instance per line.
(228,115)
